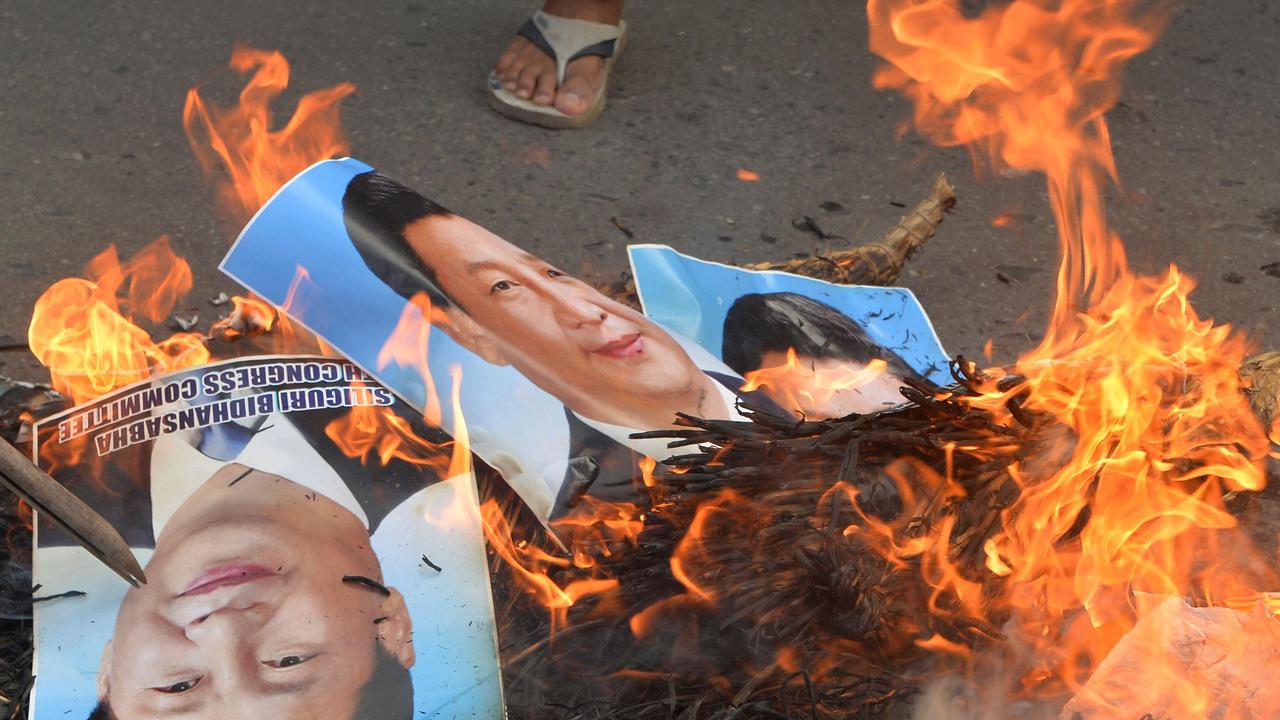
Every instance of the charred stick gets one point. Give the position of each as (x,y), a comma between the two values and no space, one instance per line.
(81,522)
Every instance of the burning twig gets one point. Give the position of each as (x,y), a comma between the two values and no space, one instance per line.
(774,545)
(770,548)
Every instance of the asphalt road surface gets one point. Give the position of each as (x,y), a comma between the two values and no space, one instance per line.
(93,149)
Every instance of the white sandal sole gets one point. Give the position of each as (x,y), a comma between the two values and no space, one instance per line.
(510,105)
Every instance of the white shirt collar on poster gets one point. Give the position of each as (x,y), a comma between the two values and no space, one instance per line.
(178,468)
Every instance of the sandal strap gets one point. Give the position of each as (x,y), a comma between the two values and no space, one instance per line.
(567,39)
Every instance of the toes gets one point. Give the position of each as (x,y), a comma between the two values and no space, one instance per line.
(528,81)
(504,61)
(514,60)
(545,91)
(573,98)
(582,80)
(509,65)
(508,78)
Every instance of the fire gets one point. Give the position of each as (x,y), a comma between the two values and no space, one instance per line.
(240,139)
(819,389)
(248,160)
(532,567)
(250,317)
(1160,429)
(83,329)
(409,346)
(376,433)
(594,528)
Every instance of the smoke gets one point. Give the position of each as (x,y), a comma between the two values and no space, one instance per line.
(956,697)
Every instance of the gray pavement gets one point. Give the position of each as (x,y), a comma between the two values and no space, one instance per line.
(93,149)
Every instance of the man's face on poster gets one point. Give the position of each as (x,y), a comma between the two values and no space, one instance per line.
(561,333)
(245,613)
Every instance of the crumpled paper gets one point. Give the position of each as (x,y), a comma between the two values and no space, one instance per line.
(1187,663)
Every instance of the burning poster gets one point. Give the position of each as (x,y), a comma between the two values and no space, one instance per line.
(556,377)
(818,349)
(288,572)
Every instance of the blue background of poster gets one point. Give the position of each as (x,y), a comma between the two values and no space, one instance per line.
(692,297)
(343,302)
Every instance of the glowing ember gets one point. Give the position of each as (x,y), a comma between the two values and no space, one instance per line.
(1004,220)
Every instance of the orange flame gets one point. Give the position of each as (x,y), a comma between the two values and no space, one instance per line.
(371,432)
(823,388)
(249,317)
(532,566)
(409,345)
(1160,428)
(240,139)
(594,528)
(647,466)
(83,329)
(256,160)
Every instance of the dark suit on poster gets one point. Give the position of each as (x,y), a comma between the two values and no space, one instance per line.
(120,490)
(607,470)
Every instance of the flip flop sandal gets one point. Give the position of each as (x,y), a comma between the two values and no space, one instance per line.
(563,40)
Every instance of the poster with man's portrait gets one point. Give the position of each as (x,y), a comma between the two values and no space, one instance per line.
(291,571)
(818,349)
(553,377)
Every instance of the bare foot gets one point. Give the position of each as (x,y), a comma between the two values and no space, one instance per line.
(530,73)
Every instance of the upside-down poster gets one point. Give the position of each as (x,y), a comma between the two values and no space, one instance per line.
(291,571)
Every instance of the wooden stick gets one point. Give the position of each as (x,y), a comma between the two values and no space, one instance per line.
(47,496)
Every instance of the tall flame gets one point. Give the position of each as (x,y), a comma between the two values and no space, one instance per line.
(248,160)
(256,158)
(1149,389)
(84,329)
